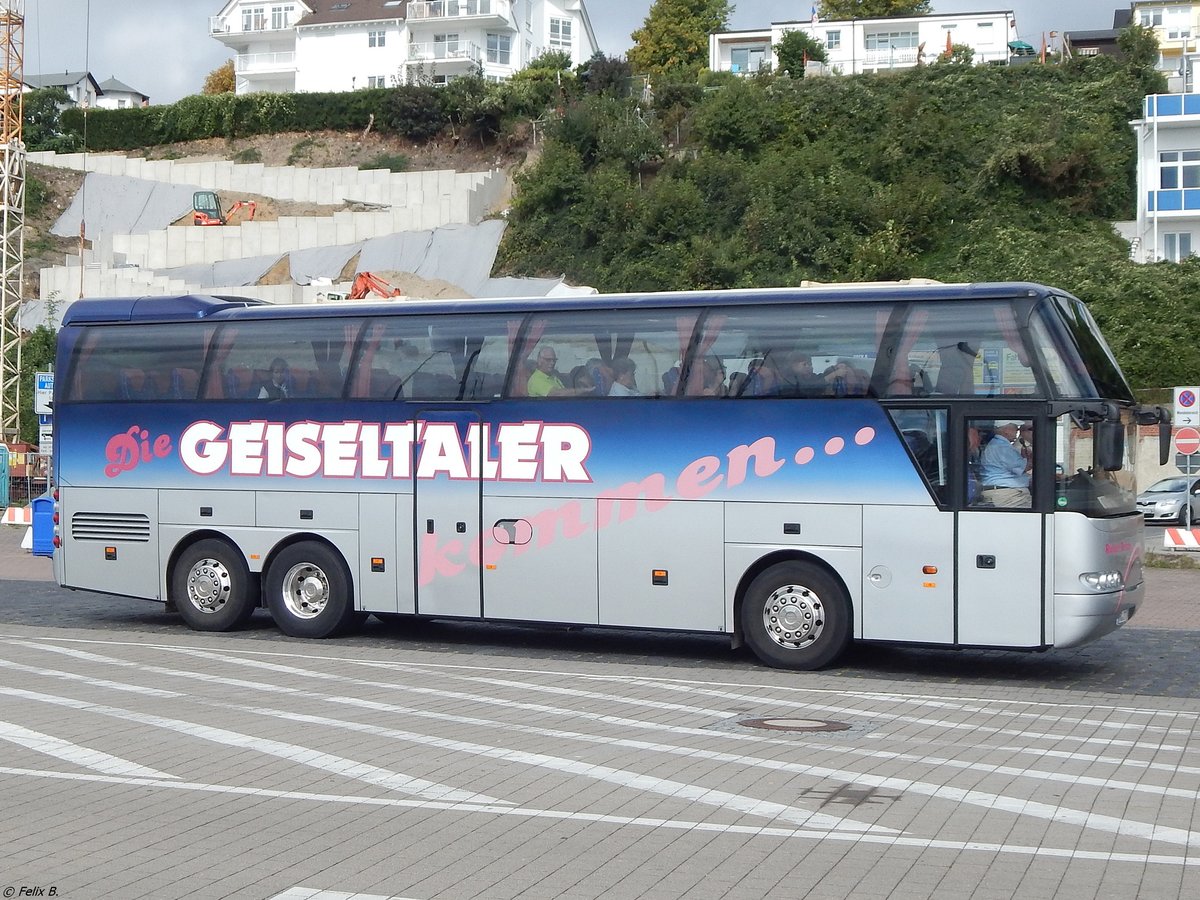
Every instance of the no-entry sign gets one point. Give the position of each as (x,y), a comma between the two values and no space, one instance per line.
(1187,441)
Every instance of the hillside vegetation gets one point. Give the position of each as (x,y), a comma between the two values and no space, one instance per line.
(947,171)
(951,172)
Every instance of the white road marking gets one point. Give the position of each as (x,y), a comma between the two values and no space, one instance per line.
(985,799)
(1017,805)
(919,699)
(97,760)
(94,682)
(621,777)
(896,840)
(327,762)
(300,893)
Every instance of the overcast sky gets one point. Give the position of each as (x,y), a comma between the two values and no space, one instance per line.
(168,52)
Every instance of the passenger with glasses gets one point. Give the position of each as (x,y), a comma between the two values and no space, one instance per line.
(545,380)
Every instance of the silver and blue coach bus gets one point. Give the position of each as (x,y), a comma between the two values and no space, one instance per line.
(797,468)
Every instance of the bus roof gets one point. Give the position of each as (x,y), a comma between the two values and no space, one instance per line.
(196,306)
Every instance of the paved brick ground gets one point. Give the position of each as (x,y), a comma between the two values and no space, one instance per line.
(447,761)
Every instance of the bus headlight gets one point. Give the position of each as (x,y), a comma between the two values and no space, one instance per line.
(1103,581)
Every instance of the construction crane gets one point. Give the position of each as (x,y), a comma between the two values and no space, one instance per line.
(12,210)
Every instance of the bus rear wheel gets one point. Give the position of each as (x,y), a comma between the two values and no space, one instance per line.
(795,615)
(210,586)
(309,591)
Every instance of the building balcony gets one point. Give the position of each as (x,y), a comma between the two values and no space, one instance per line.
(480,12)
(466,53)
(265,63)
(220,27)
(901,57)
(1172,106)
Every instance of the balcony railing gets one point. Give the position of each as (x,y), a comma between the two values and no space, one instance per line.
(445,51)
(266,62)
(882,59)
(459,9)
(236,25)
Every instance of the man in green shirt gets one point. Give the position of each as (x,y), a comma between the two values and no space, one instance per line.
(545,381)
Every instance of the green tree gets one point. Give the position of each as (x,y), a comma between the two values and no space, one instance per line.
(959,54)
(43,128)
(873,9)
(606,75)
(1140,46)
(37,355)
(795,49)
(673,41)
(220,80)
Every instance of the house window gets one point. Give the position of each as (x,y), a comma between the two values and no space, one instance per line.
(254,18)
(560,34)
(281,16)
(984,32)
(1088,51)
(833,39)
(1151,18)
(376,81)
(746,59)
(1178,169)
(1177,246)
(891,40)
(1176,34)
(376,38)
(445,46)
(499,48)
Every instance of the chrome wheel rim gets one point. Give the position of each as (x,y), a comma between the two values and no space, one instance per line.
(305,591)
(794,617)
(209,586)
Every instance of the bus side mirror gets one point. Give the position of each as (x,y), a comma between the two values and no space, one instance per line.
(1110,445)
(1164,443)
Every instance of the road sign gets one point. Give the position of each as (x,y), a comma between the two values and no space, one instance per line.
(46,439)
(43,392)
(1187,441)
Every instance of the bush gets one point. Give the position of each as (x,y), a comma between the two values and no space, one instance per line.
(393,162)
(414,110)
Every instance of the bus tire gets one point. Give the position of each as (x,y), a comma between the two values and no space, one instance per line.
(796,615)
(309,591)
(211,586)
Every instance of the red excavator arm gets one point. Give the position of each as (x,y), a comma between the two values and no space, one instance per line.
(366,284)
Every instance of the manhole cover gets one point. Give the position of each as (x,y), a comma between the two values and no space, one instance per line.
(795,724)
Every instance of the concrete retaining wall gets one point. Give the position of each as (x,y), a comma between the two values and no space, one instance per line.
(318,186)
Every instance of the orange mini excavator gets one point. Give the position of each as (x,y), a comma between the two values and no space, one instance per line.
(366,284)
(206,209)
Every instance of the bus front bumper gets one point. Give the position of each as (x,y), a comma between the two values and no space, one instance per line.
(1081,618)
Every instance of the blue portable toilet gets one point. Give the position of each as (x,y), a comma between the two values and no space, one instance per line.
(43,525)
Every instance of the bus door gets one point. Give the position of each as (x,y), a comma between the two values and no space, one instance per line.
(447,485)
(908,551)
(1000,536)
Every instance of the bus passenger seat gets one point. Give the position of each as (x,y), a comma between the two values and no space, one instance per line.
(239,381)
(183,384)
(131,384)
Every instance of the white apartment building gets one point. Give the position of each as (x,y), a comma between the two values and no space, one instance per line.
(1168,179)
(870,45)
(343,45)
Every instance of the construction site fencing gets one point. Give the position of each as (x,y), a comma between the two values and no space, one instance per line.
(27,475)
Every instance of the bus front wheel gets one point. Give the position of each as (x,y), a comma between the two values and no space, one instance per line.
(309,591)
(210,587)
(795,615)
